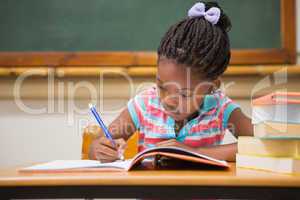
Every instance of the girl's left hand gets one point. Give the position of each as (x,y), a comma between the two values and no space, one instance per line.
(174,143)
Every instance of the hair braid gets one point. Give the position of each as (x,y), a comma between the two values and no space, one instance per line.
(197,43)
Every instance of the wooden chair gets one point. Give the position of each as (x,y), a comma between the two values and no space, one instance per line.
(89,135)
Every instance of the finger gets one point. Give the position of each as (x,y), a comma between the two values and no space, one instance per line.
(165,142)
(168,145)
(165,145)
(108,143)
(120,142)
(107,151)
(121,145)
(105,159)
(104,149)
(108,155)
(102,155)
(121,153)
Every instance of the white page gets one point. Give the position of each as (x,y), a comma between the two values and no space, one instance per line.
(74,164)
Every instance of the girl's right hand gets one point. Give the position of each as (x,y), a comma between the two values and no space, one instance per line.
(103,149)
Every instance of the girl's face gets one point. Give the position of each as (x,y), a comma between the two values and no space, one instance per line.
(181,91)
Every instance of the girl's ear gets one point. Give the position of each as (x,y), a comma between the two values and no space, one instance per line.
(216,84)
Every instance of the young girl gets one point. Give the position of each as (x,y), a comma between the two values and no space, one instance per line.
(186,109)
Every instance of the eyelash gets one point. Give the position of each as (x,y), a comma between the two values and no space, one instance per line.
(161,88)
(184,95)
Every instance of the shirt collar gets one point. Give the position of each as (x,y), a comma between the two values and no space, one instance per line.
(210,102)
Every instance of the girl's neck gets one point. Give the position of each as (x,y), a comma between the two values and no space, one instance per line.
(180,124)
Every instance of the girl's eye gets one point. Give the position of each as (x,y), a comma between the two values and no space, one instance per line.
(185,95)
(161,88)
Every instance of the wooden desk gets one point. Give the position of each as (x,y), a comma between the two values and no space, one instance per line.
(233,183)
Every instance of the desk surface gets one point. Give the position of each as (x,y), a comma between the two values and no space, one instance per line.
(232,177)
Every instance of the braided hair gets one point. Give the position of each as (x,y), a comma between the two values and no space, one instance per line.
(197,43)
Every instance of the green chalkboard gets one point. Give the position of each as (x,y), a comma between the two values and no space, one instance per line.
(123,25)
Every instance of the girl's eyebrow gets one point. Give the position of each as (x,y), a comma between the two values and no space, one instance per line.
(186,89)
(182,89)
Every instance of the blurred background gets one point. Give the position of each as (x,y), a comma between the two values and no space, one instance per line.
(57,56)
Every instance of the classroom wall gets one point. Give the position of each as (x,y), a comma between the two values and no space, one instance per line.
(56,134)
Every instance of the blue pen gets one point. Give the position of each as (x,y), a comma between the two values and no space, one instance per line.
(102,125)
(100,122)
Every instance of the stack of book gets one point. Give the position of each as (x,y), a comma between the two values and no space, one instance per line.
(276,142)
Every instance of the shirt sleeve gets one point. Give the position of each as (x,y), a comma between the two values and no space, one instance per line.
(226,108)
(136,107)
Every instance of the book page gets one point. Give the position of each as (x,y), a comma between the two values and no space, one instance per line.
(76,164)
(179,151)
(64,164)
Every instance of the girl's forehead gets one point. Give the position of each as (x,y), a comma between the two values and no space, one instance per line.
(170,72)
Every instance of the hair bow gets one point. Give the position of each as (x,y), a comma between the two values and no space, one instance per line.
(212,15)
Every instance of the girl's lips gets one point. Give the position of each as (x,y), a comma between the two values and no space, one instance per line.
(172,113)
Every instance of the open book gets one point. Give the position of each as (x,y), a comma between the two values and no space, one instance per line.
(93,165)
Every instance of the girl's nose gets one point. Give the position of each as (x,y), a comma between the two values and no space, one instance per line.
(170,103)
